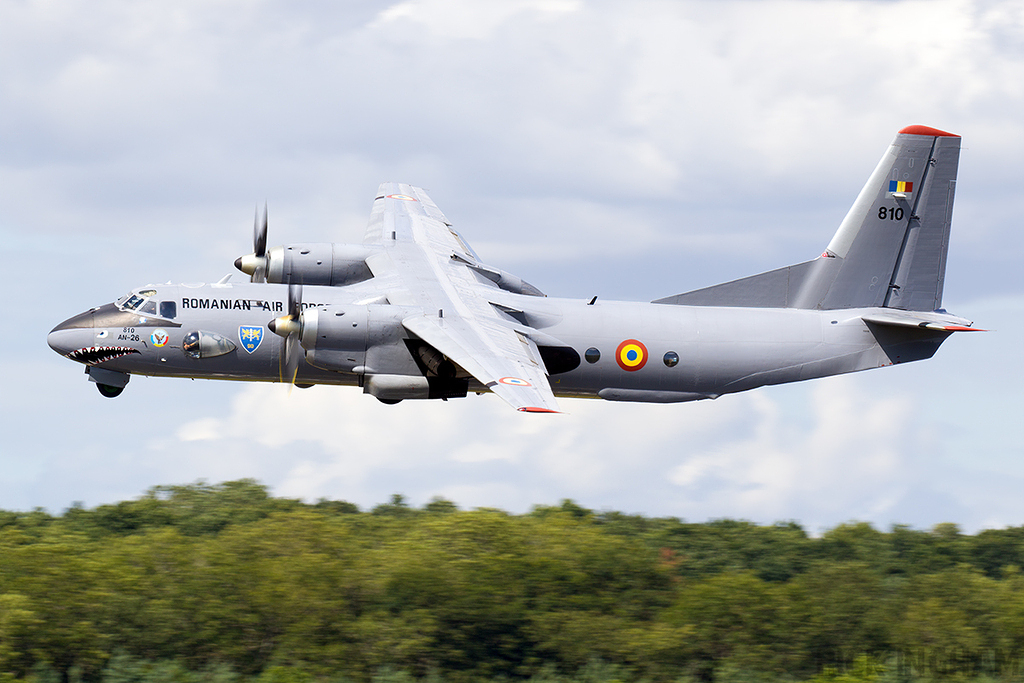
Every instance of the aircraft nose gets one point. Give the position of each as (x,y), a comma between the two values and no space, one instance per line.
(72,334)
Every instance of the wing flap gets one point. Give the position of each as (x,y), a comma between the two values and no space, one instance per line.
(515,375)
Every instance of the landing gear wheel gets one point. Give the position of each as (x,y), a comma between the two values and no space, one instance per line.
(109,391)
(389,401)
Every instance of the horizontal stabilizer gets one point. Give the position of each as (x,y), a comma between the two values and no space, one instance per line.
(941,322)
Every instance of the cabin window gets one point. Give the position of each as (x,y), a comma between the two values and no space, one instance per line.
(168,309)
(671,359)
(592,355)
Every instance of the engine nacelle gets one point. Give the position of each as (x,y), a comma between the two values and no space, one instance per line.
(337,337)
(319,263)
(371,341)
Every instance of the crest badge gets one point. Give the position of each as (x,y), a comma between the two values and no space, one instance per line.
(159,338)
(250,336)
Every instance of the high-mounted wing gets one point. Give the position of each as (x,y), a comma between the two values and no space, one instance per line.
(440,274)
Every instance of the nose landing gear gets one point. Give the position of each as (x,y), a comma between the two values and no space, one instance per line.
(109,382)
(109,391)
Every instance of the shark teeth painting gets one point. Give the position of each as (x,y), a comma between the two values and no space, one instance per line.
(94,355)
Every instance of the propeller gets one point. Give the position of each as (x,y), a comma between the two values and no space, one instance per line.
(255,264)
(290,327)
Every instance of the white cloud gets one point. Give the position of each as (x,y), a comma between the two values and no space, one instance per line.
(855,442)
(589,104)
(470,20)
(739,456)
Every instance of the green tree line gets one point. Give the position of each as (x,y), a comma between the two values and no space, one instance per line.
(227,584)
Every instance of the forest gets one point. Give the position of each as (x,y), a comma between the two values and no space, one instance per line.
(224,583)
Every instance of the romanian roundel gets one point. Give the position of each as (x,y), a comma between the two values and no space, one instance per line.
(515,382)
(631,355)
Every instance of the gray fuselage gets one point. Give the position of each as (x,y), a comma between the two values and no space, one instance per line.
(624,350)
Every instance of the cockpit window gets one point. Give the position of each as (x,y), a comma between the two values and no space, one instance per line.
(144,305)
(133,302)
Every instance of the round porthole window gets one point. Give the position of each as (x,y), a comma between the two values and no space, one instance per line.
(671,359)
(592,355)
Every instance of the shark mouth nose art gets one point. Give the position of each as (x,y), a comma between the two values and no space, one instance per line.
(94,355)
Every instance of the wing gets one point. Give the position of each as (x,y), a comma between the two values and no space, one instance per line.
(439,273)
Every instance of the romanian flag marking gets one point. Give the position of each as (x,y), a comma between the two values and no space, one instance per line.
(631,355)
(900,186)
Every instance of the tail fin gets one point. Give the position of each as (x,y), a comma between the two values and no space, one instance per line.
(890,250)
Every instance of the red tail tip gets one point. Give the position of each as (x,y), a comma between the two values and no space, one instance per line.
(532,409)
(925,130)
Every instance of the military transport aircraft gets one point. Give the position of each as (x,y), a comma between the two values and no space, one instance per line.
(412,311)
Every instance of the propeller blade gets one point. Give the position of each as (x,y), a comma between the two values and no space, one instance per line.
(255,264)
(259,233)
(290,327)
(292,356)
(294,301)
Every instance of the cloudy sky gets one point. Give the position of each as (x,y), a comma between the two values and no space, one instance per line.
(629,150)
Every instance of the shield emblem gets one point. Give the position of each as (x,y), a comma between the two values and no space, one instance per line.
(250,336)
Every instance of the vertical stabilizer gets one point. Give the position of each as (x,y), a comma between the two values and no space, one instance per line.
(890,250)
